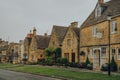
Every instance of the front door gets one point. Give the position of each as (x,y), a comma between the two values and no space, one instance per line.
(73,57)
(96,58)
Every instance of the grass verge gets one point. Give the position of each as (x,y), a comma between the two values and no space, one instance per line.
(74,75)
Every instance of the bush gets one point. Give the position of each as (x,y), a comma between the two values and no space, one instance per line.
(89,66)
(82,65)
(32,63)
(49,61)
(41,61)
(72,64)
(64,61)
(113,65)
(104,67)
(58,60)
(24,60)
(87,61)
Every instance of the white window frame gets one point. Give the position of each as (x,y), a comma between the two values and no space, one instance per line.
(98,11)
(118,54)
(113,27)
(104,52)
(94,31)
(111,54)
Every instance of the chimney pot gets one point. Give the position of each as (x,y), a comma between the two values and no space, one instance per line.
(45,34)
(100,1)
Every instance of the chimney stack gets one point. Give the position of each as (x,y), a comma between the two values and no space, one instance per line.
(100,1)
(74,24)
(34,31)
(45,34)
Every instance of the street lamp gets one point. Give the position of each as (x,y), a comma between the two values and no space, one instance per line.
(109,19)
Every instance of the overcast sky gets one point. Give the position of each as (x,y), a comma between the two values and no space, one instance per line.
(18,17)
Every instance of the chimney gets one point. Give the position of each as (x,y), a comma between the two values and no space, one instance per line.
(74,24)
(100,1)
(45,34)
(34,31)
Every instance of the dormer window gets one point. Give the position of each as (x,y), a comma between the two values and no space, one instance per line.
(98,11)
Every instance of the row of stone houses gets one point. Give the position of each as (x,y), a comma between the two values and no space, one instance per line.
(34,46)
(96,31)
(92,38)
(10,52)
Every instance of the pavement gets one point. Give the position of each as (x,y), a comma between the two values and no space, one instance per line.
(11,75)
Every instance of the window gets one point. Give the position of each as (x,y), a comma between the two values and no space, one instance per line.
(98,11)
(118,56)
(114,27)
(103,52)
(16,49)
(69,42)
(33,47)
(113,52)
(67,55)
(94,31)
(32,57)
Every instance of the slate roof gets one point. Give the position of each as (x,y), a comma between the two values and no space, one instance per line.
(42,41)
(112,7)
(60,32)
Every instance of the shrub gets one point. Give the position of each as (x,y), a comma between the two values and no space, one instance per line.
(41,61)
(104,67)
(24,60)
(64,61)
(49,61)
(87,61)
(82,65)
(58,60)
(89,66)
(72,64)
(113,65)
(32,63)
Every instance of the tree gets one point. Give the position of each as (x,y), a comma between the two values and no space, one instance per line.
(50,51)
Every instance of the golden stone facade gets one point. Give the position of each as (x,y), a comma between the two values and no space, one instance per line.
(34,46)
(94,38)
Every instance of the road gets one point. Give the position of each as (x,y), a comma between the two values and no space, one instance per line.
(11,75)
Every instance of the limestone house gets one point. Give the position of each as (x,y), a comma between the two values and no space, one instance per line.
(70,44)
(94,34)
(14,53)
(3,51)
(34,46)
(67,39)
(57,36)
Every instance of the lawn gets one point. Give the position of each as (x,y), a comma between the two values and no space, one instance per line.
(74,75)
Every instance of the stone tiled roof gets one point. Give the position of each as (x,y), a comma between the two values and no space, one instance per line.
(111,7)
(77,31)
(3,48)
(26,40)
(60,32)
(42,41)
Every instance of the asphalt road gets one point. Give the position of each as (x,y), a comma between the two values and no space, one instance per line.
(11,75)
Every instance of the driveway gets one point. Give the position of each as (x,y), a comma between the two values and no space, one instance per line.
(11,75)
